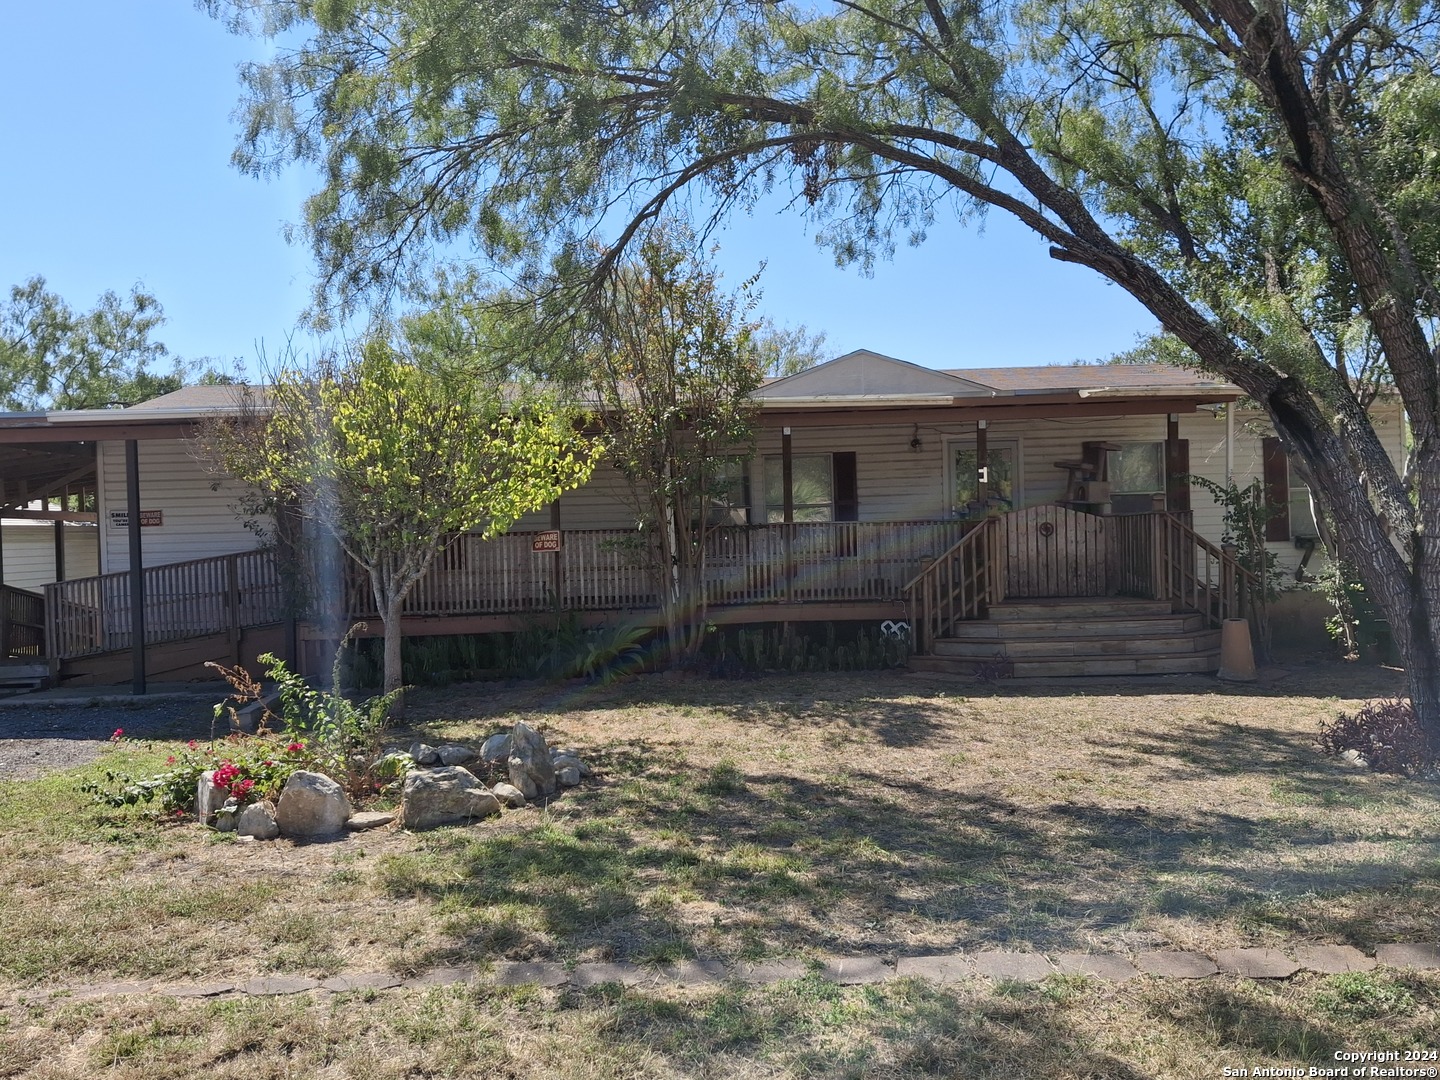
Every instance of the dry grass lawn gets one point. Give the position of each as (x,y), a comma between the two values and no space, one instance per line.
(785,817)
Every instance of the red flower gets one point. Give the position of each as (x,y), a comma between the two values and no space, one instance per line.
(170,760)
(192,744)
(295,748)
(119,734)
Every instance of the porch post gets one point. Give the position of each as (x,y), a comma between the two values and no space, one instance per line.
(982,462)
(1177,467)
(1229,442)
(137,570)
(557,568)
(60,549)
(787,477)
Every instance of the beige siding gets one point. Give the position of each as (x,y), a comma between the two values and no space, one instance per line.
(604,503)
(29,552)
(199,520)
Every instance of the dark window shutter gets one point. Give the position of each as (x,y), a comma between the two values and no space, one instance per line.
(847,491)
(1277,488)
(1177,472)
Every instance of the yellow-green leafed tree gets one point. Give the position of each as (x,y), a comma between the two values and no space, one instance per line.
(395,458)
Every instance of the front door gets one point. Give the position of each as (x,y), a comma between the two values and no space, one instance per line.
(1001,478)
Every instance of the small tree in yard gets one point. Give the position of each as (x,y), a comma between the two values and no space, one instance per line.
(671,364)
(394,459)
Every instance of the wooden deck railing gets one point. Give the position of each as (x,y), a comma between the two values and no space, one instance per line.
(182,600)
(1199,576)
(967,578)
(22,623)
(605,569)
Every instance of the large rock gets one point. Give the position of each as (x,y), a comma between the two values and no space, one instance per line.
(258,820)
(529,764)
(455,755)
(511,796)
(208,797)
(424,754)
(312,804)
(496,748)
(443,796)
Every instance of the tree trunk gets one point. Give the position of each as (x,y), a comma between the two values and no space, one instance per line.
(394,669)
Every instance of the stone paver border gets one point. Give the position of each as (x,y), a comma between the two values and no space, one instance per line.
(1245,963)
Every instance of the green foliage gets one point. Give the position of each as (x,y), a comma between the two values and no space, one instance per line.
(672,362)
(1364,995)
(343,736)
(1276,217)
(601,654)
(54,357)
(393,458)
(1356,624)
(1246,513)
(251,768)
(772,648)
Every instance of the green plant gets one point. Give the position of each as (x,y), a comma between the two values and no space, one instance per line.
(343,736)
(1246,513)
(248,767)
(1356,625)
(601,654)
(1364,995)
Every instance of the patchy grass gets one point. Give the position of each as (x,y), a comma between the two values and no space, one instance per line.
(1066,1028)
(799,816)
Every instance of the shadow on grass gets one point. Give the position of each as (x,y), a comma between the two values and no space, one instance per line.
(774,864)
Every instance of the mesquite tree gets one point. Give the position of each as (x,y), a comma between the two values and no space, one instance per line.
(1262,176)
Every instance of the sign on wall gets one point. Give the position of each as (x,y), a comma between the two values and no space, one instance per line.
(546,541)
(120,519)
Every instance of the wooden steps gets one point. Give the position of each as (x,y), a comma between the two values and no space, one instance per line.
(22,676)
(1078,636)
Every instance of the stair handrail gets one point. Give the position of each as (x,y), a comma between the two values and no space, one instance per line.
(22,610)
(1227,596)
(949,590)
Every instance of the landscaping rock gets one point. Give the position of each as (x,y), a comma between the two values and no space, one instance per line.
(258,820)
(368,819)
(1256,963)
(312,804)
(442,796)
(455,755)
(208,797)
(496,748)
(226,815)
(561,758)
(569,776)
(529,762)
(424,754)
(510,795)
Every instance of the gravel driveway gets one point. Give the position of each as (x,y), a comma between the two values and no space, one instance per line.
(42,737)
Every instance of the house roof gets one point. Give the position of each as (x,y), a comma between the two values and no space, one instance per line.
(866,378)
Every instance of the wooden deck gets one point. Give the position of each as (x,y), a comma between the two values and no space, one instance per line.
(935,575)
(852,569)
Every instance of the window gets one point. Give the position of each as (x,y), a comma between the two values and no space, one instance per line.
(812,479)
(1136,468)
(999,479)
(728,499)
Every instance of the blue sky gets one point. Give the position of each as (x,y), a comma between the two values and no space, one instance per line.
(117,128)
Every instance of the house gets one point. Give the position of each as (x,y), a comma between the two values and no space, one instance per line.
(878,490)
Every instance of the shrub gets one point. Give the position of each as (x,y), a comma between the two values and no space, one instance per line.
(1386,733)
(248,767)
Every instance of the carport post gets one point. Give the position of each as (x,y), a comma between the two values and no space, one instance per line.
(137,571)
